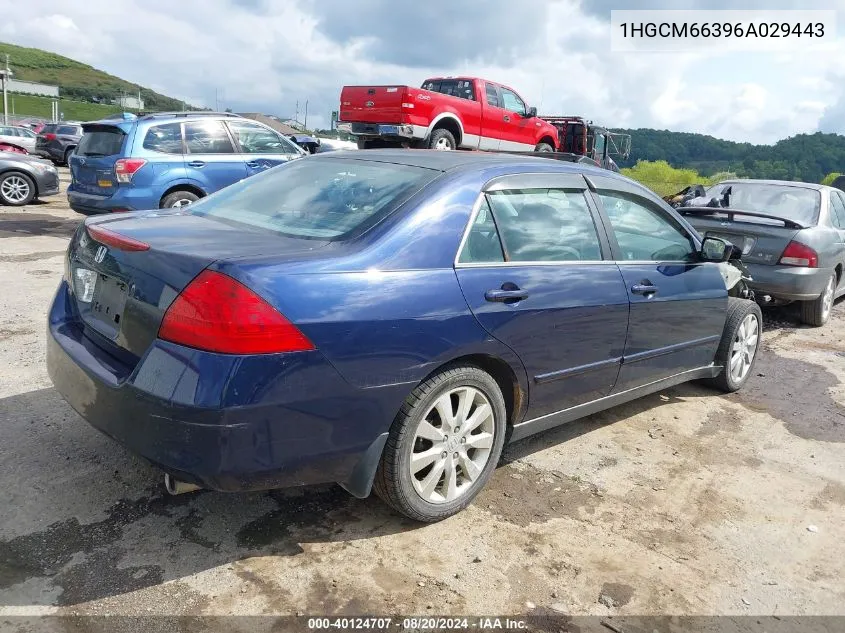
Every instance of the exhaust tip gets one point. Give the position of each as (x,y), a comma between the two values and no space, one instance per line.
(175,487)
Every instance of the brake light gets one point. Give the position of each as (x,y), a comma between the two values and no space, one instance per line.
(49,136)
(219,314)
(125,168)
(115,240)
(798,254)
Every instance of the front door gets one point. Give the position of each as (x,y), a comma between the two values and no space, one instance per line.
(678,304)
(537,274)
(518,129)
(211,160)
(261,148)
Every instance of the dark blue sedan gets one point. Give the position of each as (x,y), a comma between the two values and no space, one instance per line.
(387,319)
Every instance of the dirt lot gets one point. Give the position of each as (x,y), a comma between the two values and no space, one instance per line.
(685,502)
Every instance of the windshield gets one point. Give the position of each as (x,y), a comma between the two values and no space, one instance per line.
(315,198)
(798,204)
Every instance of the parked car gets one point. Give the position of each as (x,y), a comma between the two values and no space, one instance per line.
(57,141)
(386,320)
(17,139)
(445,114)
(23,178)
(169,159)
(792,235)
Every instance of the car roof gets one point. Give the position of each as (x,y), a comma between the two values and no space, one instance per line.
(449,161)
(784,183)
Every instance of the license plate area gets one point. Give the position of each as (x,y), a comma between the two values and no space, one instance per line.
(106,310)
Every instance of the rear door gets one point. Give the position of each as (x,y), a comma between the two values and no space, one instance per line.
(211,159)
(493,119)
(678,304)
(535,269)
(261,148)
(92,165)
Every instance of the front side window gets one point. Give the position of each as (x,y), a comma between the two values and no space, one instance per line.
(327,199)
(545,225)
(166,138)
(256,139)
(645,233)
(207,137)
(512,102)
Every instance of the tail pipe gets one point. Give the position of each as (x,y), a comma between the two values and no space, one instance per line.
(176,487)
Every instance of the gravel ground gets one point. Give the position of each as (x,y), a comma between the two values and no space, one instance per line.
(684,502)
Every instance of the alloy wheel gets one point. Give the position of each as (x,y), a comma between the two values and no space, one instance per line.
(15,189)
(452,445)
(744,347)
(443,145)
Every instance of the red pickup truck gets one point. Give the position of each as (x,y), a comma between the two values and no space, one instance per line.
(446,113)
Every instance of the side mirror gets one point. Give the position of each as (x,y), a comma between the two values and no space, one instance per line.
(532,112)
(714,249)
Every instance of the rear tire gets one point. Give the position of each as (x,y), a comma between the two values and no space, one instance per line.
(817,312)
(16,189)
(178,199)
(543,147)
(442,139)
(455,468)
(737,352)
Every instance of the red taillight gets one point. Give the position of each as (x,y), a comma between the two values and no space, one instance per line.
(798,254)
(125,168)
(219,314)
(115,240)
(49,137)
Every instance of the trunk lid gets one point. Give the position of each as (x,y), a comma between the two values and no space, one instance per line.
(762,237)
(92,164)
(131,290)
(372,104)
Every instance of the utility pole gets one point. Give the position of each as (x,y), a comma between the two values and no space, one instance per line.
(296,114)
(306,114)
(216,101)
(6,74)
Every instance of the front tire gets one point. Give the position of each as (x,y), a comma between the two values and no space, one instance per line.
(16,189)
(444,444)
(543,147)
(817,312)
(737,350)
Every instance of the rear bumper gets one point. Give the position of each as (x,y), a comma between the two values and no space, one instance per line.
(123,199)
(791,283)
(47,152)
(384,130)
(285,419)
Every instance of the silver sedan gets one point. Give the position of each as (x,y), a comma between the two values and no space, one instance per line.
(19,137)
(792,236)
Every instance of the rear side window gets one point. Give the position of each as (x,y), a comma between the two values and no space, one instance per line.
(328,199)
(545,225)
(838,208)
(166,138)
(462,88)
(493,96)
(207,137)
(101,141)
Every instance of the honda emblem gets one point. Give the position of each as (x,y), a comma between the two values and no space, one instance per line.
(100,255)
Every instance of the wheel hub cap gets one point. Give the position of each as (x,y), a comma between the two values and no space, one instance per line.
(452,445)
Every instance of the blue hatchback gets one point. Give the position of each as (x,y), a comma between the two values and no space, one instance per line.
(387,320)
(168,159)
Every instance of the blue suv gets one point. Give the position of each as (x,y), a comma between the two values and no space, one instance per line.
(161,160)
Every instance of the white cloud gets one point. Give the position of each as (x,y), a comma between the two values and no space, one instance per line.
(267,55)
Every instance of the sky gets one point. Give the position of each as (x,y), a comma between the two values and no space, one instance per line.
(265,55)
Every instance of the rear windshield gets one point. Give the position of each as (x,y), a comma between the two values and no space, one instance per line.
(101,141)
(70,130)
(316,198)
(798,204)
(49,129)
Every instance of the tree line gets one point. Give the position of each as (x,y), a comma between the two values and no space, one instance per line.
(805,157)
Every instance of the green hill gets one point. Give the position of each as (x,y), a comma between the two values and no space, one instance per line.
(806,157)
(78,82)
